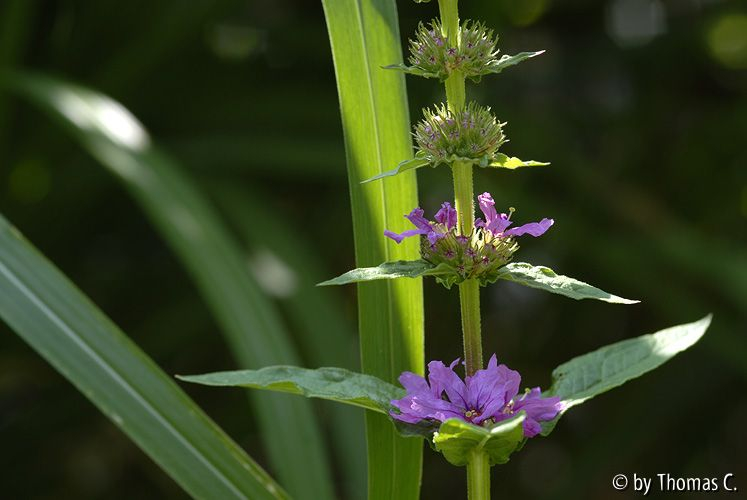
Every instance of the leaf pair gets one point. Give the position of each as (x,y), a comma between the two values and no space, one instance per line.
(499,160)
(575,381)
(522,273)
(493,68)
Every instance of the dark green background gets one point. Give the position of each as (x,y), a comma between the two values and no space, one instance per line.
(640,105)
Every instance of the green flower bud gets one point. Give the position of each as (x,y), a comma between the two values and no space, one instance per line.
(435,55)
(472,52)
(471,134)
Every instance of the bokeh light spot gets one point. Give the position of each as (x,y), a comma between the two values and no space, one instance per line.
(727,40)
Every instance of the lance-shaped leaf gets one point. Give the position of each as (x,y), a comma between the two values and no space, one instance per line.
(493,67)
(458,440)
(545,278)
(388,271)
(507,60)
(499,160)
(584,377)
(335,384)
(412,70)
(73,335)
(420,160)
(511,162)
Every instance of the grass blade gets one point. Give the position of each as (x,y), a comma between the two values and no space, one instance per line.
(49,313)
(197,236)
(364,36)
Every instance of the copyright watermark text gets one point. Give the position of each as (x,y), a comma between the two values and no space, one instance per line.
(666,482)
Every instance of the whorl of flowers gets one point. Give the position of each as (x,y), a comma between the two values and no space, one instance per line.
(489,396)
(481,254)
(470,134)
(436,55)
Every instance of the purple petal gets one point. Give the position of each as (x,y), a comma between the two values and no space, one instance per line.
(414,384)
(417,219)
(499,224)
(416,408)
(531,427)
(447,215)
(538,409)
(398,237)
(443,378)
(491,389)
(533,228)
(434,236)
(487,205)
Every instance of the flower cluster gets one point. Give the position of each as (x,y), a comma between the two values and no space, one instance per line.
(471,134)
(479,255)
(485,398)
(435,55)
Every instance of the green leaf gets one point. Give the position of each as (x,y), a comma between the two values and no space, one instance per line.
(65,328)
(336,384)
(511,162)
(196,234)
(584,377)
(364,36)
(458,439)
(506,61)
(389,271)
(545,278)
(412,70)
(419,161)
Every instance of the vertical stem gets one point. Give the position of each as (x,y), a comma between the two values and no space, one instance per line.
(469,298)
(478,468)
(463,195)
(478,476)
(469,291)
(455,95)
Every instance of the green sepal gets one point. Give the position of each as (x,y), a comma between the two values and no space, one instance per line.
(335,384)
(546,279)
(420,160)
(389,270)
(591,374)
(457,440)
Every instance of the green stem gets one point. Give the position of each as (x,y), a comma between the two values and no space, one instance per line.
(478,468)
(455,95)
(478,476)
(463,195)
(469,298)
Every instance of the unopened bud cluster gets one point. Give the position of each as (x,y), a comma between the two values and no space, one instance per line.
(470,134)
(477,256)
(436,55)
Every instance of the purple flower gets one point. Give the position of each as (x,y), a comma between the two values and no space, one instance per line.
(434,231)
(489,396)
(478,255)
(498,223)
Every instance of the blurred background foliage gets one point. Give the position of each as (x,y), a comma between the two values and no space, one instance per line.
(640,105)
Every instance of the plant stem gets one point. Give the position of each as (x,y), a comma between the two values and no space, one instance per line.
(463,195)
(478,476)
(469,291)
(469,298)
